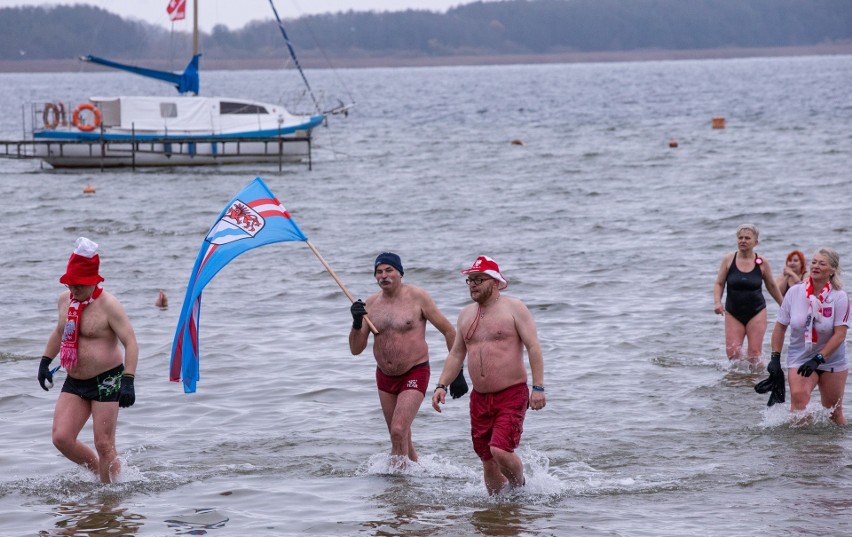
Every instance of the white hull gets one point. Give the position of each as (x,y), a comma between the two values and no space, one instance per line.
(170,131)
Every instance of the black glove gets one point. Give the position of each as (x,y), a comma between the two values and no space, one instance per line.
(775,383)
(44,373)
(358,311)
(811,365)
(126,394)
(458,387)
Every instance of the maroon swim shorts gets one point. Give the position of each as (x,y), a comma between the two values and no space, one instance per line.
(417,378)
(497,419)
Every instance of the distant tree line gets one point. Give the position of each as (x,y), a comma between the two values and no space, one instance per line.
(38,33)
(493,27)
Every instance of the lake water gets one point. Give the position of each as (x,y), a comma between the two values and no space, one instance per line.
(611,237)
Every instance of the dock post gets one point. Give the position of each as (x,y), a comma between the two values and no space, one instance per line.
(133,146)
(280,150)
(103,147)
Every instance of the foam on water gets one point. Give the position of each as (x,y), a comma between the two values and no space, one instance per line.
(813,416)
(544,484)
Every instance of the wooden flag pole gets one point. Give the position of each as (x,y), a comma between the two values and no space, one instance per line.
(372,328)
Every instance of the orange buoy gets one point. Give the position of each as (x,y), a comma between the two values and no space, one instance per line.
(88,189)
(673,143)
(517,142)
(718,122)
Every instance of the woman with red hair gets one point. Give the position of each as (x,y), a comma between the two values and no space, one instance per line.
(794,271)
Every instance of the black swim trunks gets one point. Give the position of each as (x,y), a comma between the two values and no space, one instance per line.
(103,388)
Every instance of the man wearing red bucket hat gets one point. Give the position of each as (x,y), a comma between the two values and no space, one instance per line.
(493,333)
(91,324)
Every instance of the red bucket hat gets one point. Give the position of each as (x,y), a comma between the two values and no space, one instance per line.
(486,265)
(83,264)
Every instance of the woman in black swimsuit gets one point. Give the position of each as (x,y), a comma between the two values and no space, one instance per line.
(743,273)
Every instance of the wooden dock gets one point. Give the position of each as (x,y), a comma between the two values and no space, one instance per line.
(158,151)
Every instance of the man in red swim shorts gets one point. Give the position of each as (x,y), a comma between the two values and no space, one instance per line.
(492,333)
(399,312)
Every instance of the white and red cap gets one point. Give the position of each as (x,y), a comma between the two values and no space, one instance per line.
(83,264)
(486,265)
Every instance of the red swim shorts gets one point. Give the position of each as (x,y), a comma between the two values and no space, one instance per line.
(417,378)
(497,419)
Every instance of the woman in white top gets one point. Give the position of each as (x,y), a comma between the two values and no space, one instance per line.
(817,311)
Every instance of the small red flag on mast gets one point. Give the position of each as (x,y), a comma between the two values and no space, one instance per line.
(176,10)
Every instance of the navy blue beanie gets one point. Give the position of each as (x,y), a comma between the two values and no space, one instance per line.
(389,258)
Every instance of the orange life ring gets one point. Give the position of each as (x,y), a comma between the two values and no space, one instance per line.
(86,127)
(50,116)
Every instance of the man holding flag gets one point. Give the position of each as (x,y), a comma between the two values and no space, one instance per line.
(400,312)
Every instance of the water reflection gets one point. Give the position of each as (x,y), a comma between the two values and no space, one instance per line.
(95,520)
(407,516)
(504,520)
(411,513)
(197,522)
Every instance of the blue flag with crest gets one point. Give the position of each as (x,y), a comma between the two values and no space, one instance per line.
(253,218)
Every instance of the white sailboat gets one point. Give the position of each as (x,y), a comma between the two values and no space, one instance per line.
(183,130)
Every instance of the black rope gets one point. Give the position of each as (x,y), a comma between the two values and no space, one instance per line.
(293,55)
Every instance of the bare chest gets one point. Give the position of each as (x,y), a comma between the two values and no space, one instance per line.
(398,318)
(94,323)
(488,328)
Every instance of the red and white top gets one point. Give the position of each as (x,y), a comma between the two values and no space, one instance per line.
(833,311)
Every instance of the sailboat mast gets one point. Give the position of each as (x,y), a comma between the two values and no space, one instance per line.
(195,27)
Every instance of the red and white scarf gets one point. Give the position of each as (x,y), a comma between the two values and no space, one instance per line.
(814,309)
(68,349)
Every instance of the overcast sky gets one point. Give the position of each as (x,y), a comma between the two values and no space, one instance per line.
(236,13)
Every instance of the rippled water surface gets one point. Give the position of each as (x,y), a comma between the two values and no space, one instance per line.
(610,236)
